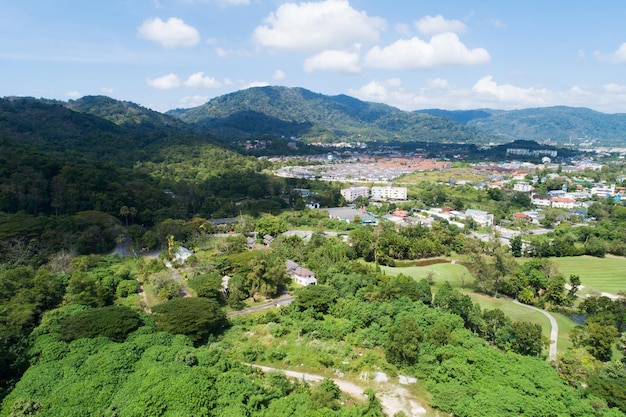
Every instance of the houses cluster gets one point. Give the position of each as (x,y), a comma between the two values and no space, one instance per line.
(582,198)
(386,193)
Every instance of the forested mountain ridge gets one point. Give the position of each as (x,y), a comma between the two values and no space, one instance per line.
(560,124)
(287,111)
(125,113)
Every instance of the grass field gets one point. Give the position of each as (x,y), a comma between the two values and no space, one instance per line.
(456,274)
(596,274)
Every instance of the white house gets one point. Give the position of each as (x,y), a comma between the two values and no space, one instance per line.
(389,193)
(299,274)
(563,202)
(522,186)
(352,193)
(481,217)
(541,200)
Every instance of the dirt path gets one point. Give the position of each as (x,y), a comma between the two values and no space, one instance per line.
(554,332)
(392,396)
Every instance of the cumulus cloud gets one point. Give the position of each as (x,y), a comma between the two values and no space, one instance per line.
(433,25)
(330,24)
(442,50)
(199,80)
(618,56)
(255,84)
(73,94)
(171,33)
(192,101)
(342,61)
(279,75)
(165,82)
(487,93)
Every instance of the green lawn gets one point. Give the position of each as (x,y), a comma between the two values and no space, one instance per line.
(596,274)
(456,273)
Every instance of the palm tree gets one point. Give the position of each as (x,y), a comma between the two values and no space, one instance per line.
(125,211)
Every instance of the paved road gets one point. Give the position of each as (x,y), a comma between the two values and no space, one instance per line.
(554,333)
(283,300)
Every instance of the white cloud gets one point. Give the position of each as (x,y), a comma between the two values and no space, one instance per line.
(221,52)
(279,75)
(106,90)
(507,93)
(255,84)
(443,49)
(403,29)
(73,94)
(172,33)
(486,93)
(618,56)
(433,25)
(192,101)
(438,83)
(330,24)
(497,23)
(199,80)
(165,82)
(342,61)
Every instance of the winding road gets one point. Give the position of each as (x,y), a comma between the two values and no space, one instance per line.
(554,333)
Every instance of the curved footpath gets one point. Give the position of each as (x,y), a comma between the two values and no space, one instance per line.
(554,333)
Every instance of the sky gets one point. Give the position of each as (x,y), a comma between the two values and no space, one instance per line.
(411,54)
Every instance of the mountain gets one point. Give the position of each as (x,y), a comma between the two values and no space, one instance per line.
(125,113)
(289,111)
(558,124)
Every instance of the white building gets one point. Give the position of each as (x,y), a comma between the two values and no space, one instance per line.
(299,274)
(541,200)
(352,193)
(481,217)
(563,202)
(389,193)
(523,187)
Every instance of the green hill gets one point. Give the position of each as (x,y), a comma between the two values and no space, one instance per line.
(285,111)
(559,124)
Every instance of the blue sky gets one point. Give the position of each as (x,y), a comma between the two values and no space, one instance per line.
(415,54)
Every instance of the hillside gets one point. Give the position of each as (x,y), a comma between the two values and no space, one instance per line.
(284,111)
(560,124)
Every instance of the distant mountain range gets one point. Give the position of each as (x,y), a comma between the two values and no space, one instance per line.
(558,124)
(296,112)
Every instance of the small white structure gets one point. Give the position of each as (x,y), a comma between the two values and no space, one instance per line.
(182,254)
(352,193)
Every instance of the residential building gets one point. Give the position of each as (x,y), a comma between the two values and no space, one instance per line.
(389,193)
(541,200)
(481,217)
(523,187)
(352,193)
(563,202)
(299,274)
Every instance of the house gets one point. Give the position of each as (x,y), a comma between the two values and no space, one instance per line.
(182,254)
(481,217)
(267,239)
(523,187)
(563,202)
(541,200)
(523,216)
(299,274)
